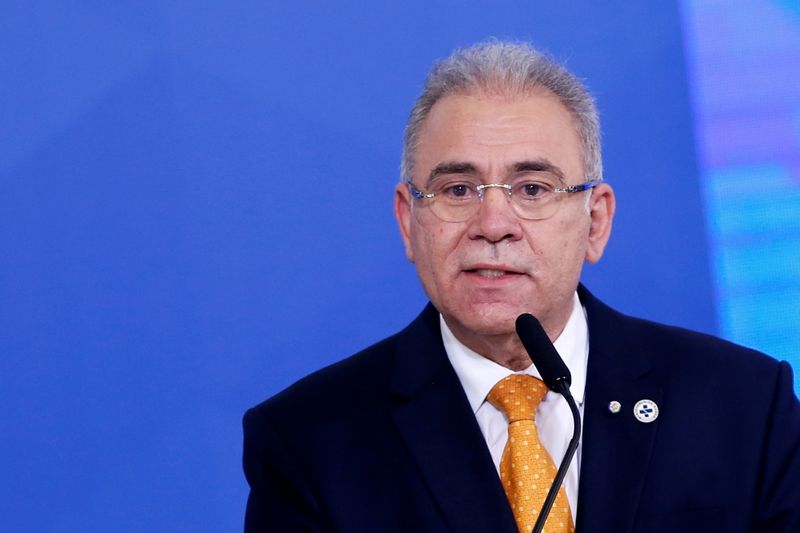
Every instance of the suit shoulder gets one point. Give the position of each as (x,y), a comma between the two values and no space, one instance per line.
(701,345)
(681,351)
(338,384)
(359,383)
(669,347)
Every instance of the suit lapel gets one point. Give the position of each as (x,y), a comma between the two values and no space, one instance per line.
(441,433)
(616,448)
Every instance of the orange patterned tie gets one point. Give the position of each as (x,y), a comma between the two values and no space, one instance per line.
(526,469)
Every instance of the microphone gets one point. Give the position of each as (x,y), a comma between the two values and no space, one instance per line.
(557,377)
(554,372)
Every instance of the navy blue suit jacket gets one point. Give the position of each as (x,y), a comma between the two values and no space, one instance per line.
(386,441)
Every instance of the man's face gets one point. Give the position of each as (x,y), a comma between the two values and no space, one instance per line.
(484,272)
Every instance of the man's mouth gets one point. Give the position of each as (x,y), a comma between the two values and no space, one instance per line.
(491,273)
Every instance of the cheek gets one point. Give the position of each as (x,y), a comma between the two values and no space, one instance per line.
(433,250)
(575,244)
(565,247)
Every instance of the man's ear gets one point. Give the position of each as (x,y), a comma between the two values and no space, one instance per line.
(602,205)
(403,214)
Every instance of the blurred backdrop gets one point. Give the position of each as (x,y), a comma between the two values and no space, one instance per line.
(196,211)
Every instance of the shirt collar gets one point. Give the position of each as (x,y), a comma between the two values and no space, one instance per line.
(478,374)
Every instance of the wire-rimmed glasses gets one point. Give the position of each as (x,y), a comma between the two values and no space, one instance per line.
(533,196)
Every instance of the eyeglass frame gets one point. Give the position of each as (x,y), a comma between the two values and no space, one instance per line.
(570,189)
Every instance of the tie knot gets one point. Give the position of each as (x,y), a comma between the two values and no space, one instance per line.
(518,396)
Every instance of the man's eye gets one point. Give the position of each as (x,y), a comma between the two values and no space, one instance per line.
(532,189)
(458,190)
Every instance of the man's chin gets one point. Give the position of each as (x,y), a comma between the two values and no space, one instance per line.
(489,322)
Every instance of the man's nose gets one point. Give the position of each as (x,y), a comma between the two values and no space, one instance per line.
(496,219)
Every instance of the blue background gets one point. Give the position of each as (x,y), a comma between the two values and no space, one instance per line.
(196,211)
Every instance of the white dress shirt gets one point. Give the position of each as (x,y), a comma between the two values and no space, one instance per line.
(553,419)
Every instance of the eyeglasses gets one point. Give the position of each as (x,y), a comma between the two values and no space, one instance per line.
(533,196)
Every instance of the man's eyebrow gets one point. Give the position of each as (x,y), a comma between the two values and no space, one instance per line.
(538,165)
(451,167)
(469,169)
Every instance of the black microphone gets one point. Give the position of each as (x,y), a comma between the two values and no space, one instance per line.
(542,352)
(556,376)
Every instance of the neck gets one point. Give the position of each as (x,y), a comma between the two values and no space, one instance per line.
(505,349)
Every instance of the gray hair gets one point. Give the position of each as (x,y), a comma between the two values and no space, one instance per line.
(509,69)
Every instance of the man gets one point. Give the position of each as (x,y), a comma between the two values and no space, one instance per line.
(502,201)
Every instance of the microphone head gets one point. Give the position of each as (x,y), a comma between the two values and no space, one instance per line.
(542,352)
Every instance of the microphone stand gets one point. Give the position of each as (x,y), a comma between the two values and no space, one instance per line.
(556,376)
(562,387)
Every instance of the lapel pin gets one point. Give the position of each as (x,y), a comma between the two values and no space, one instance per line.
(614,407)
(645,411)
